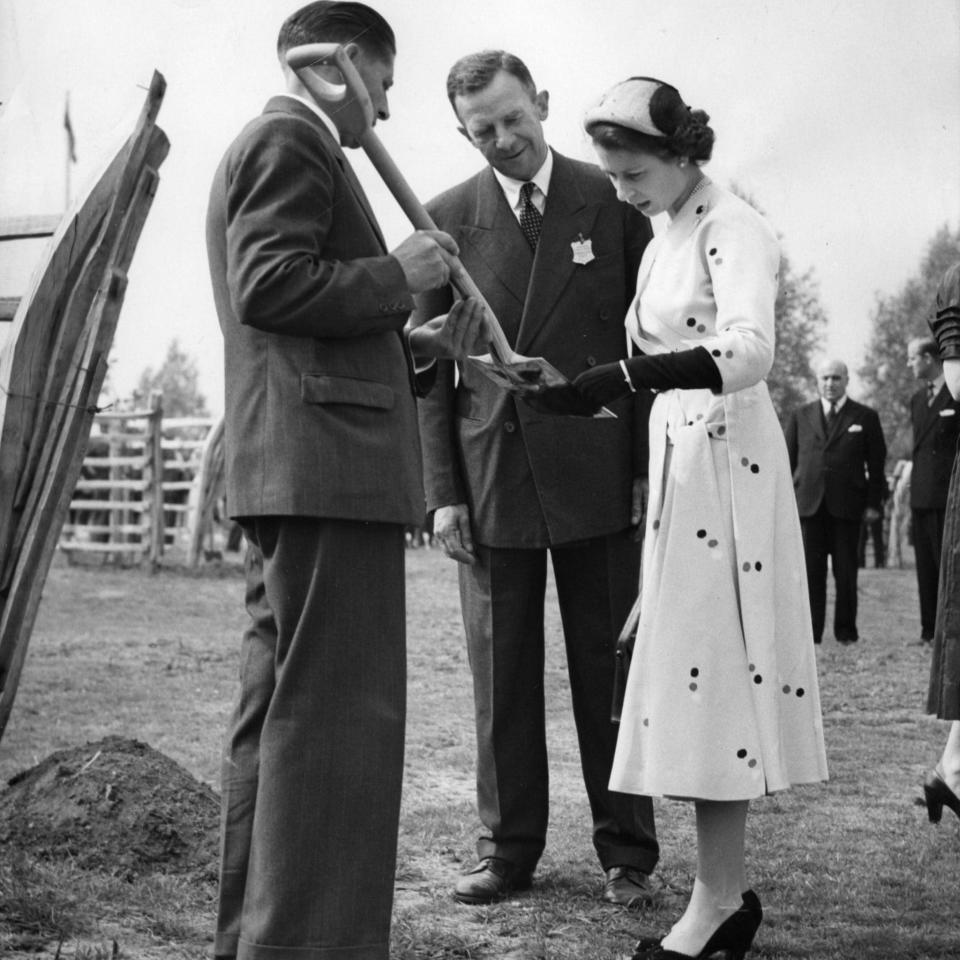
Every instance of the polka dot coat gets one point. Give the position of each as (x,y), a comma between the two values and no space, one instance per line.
(722,700)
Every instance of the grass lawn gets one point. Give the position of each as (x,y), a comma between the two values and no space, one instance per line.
(849,869)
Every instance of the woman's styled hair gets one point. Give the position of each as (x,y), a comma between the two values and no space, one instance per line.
(333,21)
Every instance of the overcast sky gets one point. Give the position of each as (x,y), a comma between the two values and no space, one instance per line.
(840,117)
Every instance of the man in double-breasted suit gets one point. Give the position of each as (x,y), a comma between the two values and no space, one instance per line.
(556,257)
(837,455)
(935,417)
(319,396)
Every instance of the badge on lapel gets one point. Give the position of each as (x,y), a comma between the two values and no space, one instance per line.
(582,250)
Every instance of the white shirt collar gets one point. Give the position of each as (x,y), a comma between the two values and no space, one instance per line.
(837,404)
(511,187)
(937,382)
(327,122)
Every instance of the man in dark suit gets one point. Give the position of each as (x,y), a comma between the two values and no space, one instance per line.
(556,256)
(319,396)
(837,454)
(935,417)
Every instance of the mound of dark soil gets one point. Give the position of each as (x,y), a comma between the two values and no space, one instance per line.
(115,806)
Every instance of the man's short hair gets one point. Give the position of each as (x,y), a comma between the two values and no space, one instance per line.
(333,21)
(926,345)
(475,71)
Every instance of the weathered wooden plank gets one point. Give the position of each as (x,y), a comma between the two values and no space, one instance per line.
(24,228)
(174,485)
(68,333)
(182,423)
(27,553)
(209,481)
(91,546)
(104,529)
(8,308)
(124,415)
(181,444)
(134,462)
(103,506)
(94,484)
(123,439)
(25,361)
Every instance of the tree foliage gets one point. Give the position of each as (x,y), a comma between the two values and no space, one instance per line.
(898,318)
(178,381)
(800,322)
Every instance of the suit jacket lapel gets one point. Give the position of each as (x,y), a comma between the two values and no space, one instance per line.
(359,193)
(495,239)
(842,421)
(930,414)
(285,104)
(817,420)
(566,219)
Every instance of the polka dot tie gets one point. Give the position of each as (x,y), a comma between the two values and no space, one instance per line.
(530,217)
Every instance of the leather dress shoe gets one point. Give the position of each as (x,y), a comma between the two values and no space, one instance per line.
(629,887)
(490,880)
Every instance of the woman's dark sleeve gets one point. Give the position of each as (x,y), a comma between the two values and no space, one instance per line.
(946,323)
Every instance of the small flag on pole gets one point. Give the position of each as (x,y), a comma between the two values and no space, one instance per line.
(68,126)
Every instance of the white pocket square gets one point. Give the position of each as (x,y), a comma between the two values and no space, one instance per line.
(947,412)
(855,428)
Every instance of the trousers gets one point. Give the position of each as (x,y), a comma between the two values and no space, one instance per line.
(502,597)
(313,757)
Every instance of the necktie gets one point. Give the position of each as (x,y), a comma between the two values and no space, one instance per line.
(530,217)
(931,393)
(831,413)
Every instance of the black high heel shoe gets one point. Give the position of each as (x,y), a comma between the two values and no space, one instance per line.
(730,941)
(938,794)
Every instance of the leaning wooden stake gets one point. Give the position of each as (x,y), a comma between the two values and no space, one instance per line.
(52,424)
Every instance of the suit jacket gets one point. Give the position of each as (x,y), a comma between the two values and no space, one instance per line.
(318,379)
(842,467)
(935,431)
(531,479)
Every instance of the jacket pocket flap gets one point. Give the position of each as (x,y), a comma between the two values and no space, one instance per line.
(361,393)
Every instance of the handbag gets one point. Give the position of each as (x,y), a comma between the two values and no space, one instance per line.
(623,653)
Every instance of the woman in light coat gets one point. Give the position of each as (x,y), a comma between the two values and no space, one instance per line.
(722,702)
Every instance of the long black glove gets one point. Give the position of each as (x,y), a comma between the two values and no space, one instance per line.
(686,369)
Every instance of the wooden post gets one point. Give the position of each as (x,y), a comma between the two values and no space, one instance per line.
(116,496)
(153,482)
(56,415)
(207,484)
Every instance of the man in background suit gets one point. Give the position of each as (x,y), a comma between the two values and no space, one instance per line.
(837,455)
(319,396)
(556,256)
(935,417)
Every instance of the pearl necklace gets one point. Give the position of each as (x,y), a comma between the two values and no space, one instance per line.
(695,189)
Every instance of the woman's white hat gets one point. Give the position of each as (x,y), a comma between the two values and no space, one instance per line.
(627,104)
